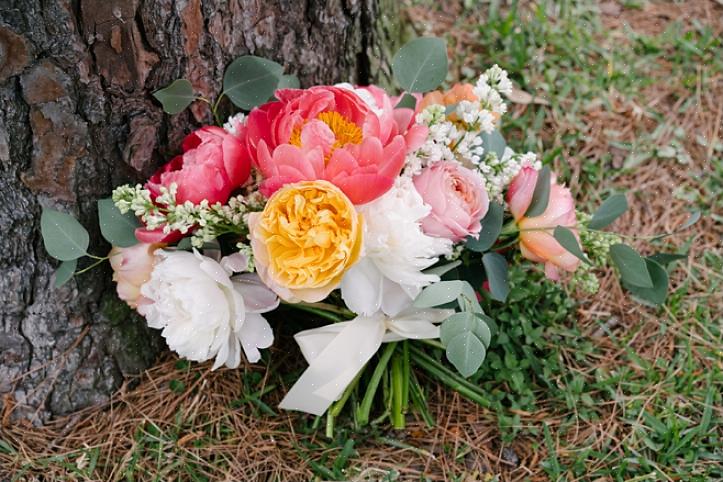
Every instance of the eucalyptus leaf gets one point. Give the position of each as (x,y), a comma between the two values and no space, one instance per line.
(491,228)
(467,300)
(406,102)
(250,81)
(692,219)
(632,266)
(609,211)
(65,271)
(656,294)
(289,81)
(118,229)
(64,237)
(461,322)
(494,142)
(664,259)
(541,194)
(421,65)
(439,293)
(496,270)
(175,97)
(442,269)
(466,352)
(567,240)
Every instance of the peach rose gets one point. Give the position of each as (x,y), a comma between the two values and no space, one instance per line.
(455,95)
(458,199)
(131,269)
(305,239)
(536,241)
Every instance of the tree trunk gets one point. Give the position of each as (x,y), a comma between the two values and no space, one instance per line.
(77,118)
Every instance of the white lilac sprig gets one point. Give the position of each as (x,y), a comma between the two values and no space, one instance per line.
(204,221)
(499,172)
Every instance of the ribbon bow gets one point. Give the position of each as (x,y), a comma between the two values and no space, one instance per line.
(336,353)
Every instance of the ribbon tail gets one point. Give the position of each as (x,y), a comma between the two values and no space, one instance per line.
(331,371)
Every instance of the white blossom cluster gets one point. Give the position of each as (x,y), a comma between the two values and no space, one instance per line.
(233,123)
(205,221)
(499,172)
(454,131)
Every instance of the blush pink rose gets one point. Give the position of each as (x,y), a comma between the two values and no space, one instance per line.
(214,163)
(327,133)
(458,199)
(536,242)
(131,269)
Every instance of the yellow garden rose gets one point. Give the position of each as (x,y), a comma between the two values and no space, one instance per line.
(307,236)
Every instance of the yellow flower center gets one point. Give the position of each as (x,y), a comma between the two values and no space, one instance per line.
(345,131)
(312,234)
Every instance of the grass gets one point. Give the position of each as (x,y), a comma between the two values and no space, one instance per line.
(625,96)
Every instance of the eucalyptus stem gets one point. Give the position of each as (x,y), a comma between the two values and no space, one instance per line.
(366,405)
(88,268)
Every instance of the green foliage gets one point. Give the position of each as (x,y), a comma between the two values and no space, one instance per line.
(567,240)
(64,272)
(421,64)
(609,211)
(64,237)
(439,293)
(541,194)
(289,81)
(118,229)
(496,269)
(175,97)
(655,294)
(494,142)
(250,81)
(466,352)
(491,228)
(632,267)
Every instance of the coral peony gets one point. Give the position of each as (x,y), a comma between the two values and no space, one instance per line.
(305,239)
(536,240)
(328,133)
(457,197)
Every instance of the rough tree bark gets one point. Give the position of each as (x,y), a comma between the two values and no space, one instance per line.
(77,118)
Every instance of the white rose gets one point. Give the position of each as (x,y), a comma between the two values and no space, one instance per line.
(396,250)
(203,312)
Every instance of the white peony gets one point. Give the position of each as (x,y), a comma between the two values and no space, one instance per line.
(203,312)
(395,252)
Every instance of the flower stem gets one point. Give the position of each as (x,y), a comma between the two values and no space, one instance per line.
(88,268)
(398,377)
(366,405)
(337,407)
(316,311)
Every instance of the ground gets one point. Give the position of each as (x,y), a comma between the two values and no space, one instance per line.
(623,95)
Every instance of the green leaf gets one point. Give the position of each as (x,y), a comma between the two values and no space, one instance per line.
(64,237)
(289,81)
(442,269)
(439,293)
(467,300)
(659,291)
(176,97)
(692,219)
(118,229)
(541,194)
(421,65)
(609,211)
(567,240)
(65,271)
(664,259)
(250,81)
(461,322)
(496,269)
(632,267)
(491,228)
(466,352)
(493,142)
(406,102)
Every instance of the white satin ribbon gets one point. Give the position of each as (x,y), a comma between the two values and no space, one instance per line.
(336,353)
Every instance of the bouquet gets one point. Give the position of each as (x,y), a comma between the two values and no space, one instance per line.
(394,218)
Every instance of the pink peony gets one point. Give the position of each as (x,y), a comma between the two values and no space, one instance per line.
(131,269)
(214,163)
(457,197)
(329,133)
(538,244)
